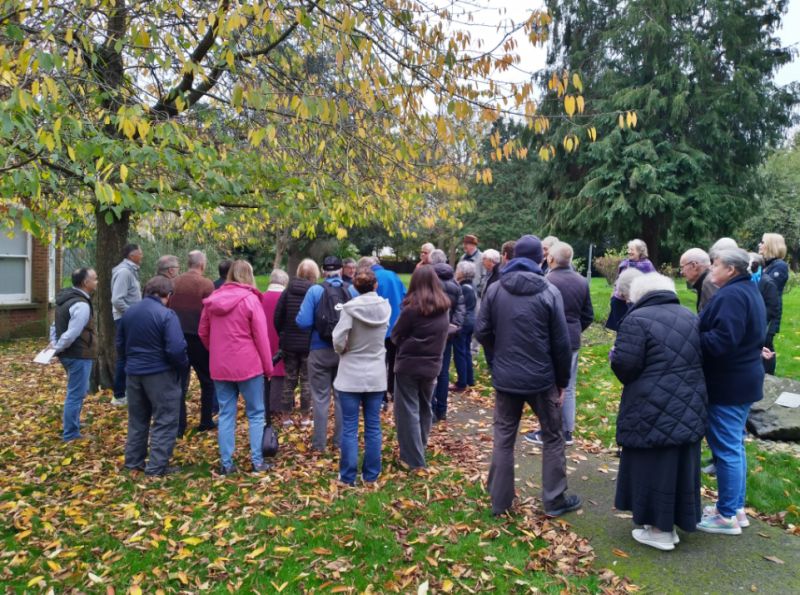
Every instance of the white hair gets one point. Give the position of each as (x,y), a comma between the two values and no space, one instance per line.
(721,244)
(624,281)
(491,255)
(736,258)
(197,259)
(698,256)
(466,270)
(561,253)
(639,246)
(548,241)
(437,256)
(279,277)
(428,246)
(649,283)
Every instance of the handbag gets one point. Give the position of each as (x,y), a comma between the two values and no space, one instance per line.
(269,440)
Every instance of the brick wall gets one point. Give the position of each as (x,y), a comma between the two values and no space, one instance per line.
(30,320)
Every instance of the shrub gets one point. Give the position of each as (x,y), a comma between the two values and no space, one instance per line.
(608,264)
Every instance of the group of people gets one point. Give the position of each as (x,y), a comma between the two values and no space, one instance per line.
(361,339)
(687,376)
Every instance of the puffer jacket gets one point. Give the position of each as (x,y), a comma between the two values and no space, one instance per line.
(360,339)
(292,338)
(777,270)
(657,356)
(522,320)
(234,330)
(453,290)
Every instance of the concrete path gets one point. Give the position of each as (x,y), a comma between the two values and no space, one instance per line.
(763,559)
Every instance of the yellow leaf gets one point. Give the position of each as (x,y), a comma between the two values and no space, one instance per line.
(183,578)
(569,105)
(621,121)
(576,82)
(54,566)
(71,153)
(192,540)
(255,553)
(123,172)
(634,119)
(580,103)
(282,549)
(629,119)
(236,97)
(35,580)
(135,590)
(544,154)
(447,585)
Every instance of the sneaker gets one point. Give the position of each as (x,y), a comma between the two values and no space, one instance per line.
(675,539)
(121,402)
(287,422)
(223,470)
(262,467)
(306,422)
(571,502)
(710,469)
(568,440)
(534,438)
(741,518)
(719,524)
(659,540)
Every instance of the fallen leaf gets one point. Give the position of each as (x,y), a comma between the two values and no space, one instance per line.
(774,559)
(618,552)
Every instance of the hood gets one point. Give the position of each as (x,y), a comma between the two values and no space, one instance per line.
(656,298)
(298,286)
(369,308)
(127,264)
(227,297)
(67,294)
(522,282)
(443,270)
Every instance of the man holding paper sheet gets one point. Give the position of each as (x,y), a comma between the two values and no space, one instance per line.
(75,344)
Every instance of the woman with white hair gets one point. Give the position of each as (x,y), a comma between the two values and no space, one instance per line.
(637,259)
(662,413)
(733,327)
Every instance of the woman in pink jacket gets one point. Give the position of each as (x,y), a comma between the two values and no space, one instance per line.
(234,330)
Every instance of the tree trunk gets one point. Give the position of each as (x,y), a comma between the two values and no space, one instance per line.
(651,235)
(111,239)
(281,244)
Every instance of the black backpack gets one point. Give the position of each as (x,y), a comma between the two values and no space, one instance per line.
(326,316)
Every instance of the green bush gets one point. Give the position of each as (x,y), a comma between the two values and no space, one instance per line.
(608,264)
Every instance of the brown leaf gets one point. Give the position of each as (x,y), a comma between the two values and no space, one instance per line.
(774,559)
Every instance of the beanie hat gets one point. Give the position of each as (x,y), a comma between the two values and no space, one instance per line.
(529,246)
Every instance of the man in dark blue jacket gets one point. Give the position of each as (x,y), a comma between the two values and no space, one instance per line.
(522,320)
(152,344)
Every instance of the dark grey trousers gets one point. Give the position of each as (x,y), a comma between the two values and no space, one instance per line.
(152,399)
(507,413)
(413,417)
(322,367)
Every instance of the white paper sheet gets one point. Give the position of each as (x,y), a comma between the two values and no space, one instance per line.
(45,356)
(788,400)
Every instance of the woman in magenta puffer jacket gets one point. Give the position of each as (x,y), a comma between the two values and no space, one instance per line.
(234,330)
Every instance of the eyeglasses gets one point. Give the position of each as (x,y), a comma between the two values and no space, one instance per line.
(686,264)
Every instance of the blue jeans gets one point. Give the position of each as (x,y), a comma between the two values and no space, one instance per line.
(120,380)
(348,464)
(462,355)
(78,372)
(725,429)
(227,394)
(439,404)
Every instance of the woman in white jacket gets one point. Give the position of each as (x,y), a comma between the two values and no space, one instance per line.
(361,380)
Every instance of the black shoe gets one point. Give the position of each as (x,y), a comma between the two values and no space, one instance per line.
(139,467)
(571,502)
(226,470)
(202,428)
(168,470)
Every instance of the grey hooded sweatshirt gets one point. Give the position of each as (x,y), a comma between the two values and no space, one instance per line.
(359,339)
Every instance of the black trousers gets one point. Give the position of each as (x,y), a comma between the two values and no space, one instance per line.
(198,359)
(391,353)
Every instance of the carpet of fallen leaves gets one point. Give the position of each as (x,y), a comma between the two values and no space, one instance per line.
(74,521)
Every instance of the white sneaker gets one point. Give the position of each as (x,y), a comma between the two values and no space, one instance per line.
(661,540)
(741,518)
(307,422)
(675,539)
(123,402)
(287,422)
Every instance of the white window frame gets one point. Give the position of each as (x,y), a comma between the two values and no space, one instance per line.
(19,298)
(51,273)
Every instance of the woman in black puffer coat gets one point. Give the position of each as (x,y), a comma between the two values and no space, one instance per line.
(662,415)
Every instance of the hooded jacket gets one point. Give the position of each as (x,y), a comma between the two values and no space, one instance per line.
(125,288)
(360,339)
(522,320)
(308,309)
(390,287)
(657,356)
(453,290)
(292,338)
(234,330)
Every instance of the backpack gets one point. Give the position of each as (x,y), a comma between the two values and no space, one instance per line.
(327,314)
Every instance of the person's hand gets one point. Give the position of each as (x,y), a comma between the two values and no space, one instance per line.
(766,353)
(561,393)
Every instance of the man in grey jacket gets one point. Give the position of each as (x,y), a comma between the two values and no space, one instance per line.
(125,292)
(531,365)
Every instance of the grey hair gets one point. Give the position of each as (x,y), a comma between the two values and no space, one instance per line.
(561,253)
(721,244)
(649,283)
(624,281)
(196,259)
(279,277)
(757,258)
(697,255)
(366,262)
(548,241)
(639,246)
(736,258)
(437,256)
(429,246)
(330,274)
(492,255)
(466,269)
(167,262)
(348,261)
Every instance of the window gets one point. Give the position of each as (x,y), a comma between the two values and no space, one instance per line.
(15,266)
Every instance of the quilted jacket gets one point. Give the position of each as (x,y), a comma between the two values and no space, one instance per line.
(657,356)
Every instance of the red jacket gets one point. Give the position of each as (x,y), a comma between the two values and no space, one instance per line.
(234,330)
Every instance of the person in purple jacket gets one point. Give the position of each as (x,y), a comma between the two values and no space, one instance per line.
(637,259)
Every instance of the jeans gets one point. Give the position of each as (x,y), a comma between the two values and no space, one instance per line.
(348,463)
(568,409)
(724,435)
(78,372)
(439,404)
(227,394)
(462,355)
(119,374)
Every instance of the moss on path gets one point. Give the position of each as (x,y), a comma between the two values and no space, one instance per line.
(701,563)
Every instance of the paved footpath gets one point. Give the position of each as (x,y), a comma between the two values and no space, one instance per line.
(764,559)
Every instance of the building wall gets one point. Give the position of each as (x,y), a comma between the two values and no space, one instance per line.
(30,320)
